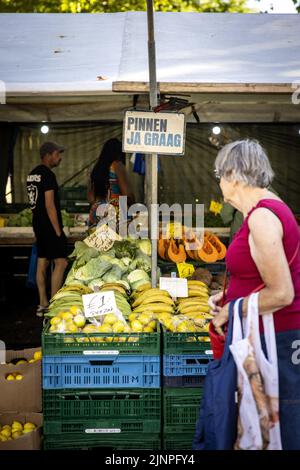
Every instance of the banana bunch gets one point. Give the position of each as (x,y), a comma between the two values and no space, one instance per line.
(120,296)
(67,297)
(197,300)
(152,300)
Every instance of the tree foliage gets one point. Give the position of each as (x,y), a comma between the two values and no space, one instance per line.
(297,5)
(111,6)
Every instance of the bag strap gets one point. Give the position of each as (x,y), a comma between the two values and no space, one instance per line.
(229,335)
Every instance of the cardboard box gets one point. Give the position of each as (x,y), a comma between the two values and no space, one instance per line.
(21,395)
(30,441)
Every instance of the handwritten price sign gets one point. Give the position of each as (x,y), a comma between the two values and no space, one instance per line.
(99,304)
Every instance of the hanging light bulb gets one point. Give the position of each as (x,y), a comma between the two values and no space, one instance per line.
(44,129)
(216,130)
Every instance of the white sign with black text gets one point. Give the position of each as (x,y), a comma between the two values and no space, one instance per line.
(99,303)
(176,286)
(149,132)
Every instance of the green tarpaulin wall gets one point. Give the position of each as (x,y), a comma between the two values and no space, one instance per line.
(185,180)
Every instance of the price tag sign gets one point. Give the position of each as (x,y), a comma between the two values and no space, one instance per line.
(102,239)
(175,286)
(99,304)
(215,207)
(185,269)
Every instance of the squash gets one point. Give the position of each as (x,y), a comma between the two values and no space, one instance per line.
(162,247)
(192,253)
(216,242)
(175,253)
(208,253)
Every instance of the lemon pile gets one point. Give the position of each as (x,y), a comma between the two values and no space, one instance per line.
(16,430)
(143,323)
(68,321)
(17,375)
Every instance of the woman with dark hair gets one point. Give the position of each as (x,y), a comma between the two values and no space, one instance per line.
(108,180)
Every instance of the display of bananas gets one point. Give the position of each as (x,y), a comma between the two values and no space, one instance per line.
(152,300)
(197,300)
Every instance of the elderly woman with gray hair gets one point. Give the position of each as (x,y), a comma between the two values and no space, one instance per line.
(265,250)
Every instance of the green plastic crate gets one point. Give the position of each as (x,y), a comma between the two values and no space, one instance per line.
(71,404)
(60,344)
(73,412)
(100,441)
(186,343)
(178,442)
(181,409)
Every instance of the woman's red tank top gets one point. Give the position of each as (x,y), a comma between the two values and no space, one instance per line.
(244,275)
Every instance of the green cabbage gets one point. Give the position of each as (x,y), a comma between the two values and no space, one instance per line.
(94,269)
(145,246)
(137,278)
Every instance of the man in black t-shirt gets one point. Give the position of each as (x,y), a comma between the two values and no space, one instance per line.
(47,224)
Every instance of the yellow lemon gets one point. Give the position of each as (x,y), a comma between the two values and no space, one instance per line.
(127,329)
(105,328)
(144,318)
(66,315)
(31,361)
(71,327)
(6,432)
(53,329)
(10,377)
(17,434)
(17,426)
(118,327)
(75,310)
(132,316)
(122,339)
(132,339)
(90,329)
(152,325)
(37,355)
(6,426)
(29,426)
(110,339)
(110,318)
(19,376)
(54,320)
(148,329)
(3,438)
(22,361)
(136,326)
(79,320)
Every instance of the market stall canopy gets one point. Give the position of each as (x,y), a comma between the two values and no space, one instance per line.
(234,67)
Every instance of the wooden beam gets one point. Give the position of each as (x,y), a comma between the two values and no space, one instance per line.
(173,87)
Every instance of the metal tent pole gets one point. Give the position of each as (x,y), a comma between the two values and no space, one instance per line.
(151,160)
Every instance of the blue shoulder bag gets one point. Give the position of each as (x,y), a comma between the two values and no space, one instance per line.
(216,427)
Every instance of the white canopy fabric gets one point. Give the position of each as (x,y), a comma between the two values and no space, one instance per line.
(59,67)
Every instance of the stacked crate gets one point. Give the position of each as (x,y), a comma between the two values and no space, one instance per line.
(99,393)
(185,360)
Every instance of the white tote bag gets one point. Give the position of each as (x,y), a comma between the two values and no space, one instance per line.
(258,386)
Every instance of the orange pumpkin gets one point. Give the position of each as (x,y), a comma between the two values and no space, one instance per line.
(218,245)
(176,254)
(162,247)
(208,252)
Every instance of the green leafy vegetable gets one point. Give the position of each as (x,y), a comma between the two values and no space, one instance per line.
(145,246)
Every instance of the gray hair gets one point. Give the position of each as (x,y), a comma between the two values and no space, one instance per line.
(245,161)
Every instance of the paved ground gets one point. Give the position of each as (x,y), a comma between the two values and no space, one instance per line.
(19,326)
